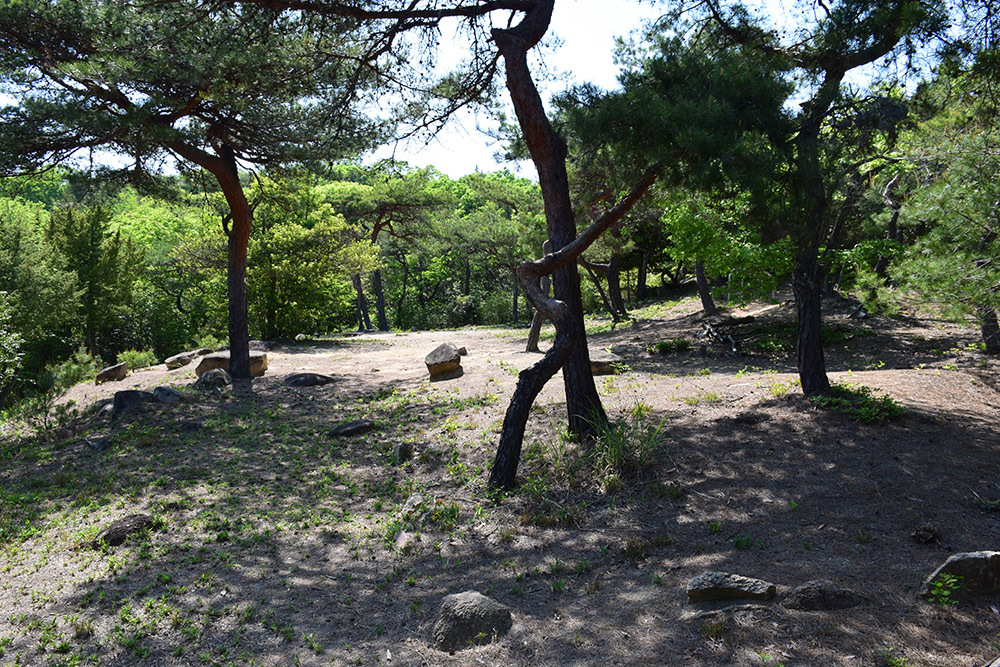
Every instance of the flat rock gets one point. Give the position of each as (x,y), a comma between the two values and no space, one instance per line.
(818,595)
(180,359)
(725,586)
(167,395)
(127,400)
(215,378)
(356,427)
(119,531)
(307,380)
(444,361)
(467,619)
(604,363)
(258,363)
(978,574)
(112,373)
(264,345)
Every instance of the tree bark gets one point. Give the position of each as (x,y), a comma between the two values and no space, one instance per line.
(364,322)
(990,329)
(383,323)
(704,290)
(807,287)
(538,317)
(592,272)
(640,281)
(615,288)
(516,294)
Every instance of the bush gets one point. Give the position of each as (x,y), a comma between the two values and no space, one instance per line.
(860,403)
(137,358)
(78,368)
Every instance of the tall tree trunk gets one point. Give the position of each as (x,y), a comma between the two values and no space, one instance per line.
(704,289)
(402,294)
(592,272)
(364,322)
(806,285)
(990,329)
(383,323)
(467,283)
(516,295)
(548,152)
(615,288)
(538,317)
(640,281)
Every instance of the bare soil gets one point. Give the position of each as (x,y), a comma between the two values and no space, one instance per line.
(277,544)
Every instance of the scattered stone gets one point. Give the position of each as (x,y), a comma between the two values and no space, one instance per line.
(462,352)
(258,363)
(167,395)
(977,574)
(402,452)
(413,505)
(469,618)
(604,363)
(926,533)
(216,378)
(307,380)
(818,595)
(300,337)
(118,531)
(181,359)
(405,542)
(112,373)
(356,427)
(444,362)
(725,586)
(128,399)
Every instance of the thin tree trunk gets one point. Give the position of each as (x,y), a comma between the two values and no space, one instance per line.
(467,283)
(516,293)
(615,288)
(807,286)
(640,281)
(538,317)
(704,290)
(383,323)
(402,294)
(364,322)
(990,329)
(590,267)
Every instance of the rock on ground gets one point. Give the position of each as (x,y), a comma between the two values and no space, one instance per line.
(258,363)
(356,427)
(978,574)
(820,595)
(469,618)
(112,373)
(603,363)
(167,395)
(444,362)
(216,378)
(724,586)
(127,400)
(118,531)
(307,380)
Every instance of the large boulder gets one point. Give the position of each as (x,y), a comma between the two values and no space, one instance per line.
(975,573)
(127,400)
(469,618)
(112,373)
(444,362)
(724,586)
(820,595)
(258,363)
(180,359)
(167,395)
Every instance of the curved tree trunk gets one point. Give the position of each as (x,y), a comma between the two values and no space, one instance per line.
(592,270)
(704,289)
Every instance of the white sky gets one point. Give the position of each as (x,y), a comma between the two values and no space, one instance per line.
(587,30)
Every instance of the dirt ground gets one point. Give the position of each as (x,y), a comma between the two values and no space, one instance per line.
(277,544)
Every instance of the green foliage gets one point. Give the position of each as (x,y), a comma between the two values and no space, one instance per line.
(623,447)
(10,346)
(943,589)
(859,403)
(887,657)
(675,345)
(137,358)
(80,367)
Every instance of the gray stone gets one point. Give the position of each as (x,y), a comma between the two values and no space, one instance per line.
(307,380)
(818,595)
(444,362)
(301,337)
(112,373)
(127,400)
(119,531)
(413,507)
(402,453)
(258,363)
(725,586)
(263,345)
(978,574)
(356,427)
(469,618)
(604,363)
(167,395)
(216,378)
(180,359)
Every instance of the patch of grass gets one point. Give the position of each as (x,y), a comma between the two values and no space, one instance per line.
(623,447)
(667,346)
(859,403)
(887,657)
